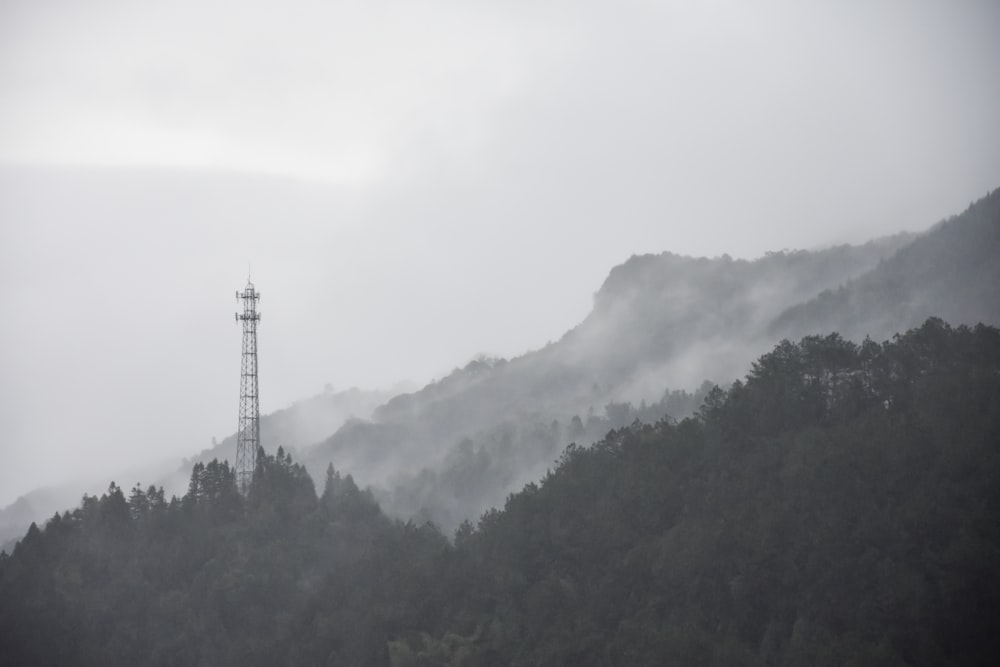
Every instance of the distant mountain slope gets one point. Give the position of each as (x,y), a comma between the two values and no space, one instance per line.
(303,423)
(461,444)
(684,319)
(651,310)
(952,271)
(16,517)
(836,507)
(458,446)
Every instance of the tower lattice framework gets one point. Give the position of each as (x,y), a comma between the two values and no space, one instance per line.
(248,434)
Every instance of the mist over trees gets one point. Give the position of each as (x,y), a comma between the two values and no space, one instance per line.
(461,444)
(302,424)
(661,325)
(657,354)
(837,506)
(950,272)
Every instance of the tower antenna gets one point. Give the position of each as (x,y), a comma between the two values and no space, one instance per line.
(248,434)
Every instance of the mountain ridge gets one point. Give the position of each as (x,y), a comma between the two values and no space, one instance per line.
(951,269)
(660,323)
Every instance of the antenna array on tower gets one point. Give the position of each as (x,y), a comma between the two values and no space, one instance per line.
(248,434)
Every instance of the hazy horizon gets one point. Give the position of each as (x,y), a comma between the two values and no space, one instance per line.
(414,184)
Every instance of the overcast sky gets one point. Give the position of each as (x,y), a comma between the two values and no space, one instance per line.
(419,182)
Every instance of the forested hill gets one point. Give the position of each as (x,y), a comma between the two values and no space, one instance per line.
(837,507)
(951,272)
(660,323)
(303,423)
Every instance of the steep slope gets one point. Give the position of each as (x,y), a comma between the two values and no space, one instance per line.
(685,319)
(952,272)
(838,507)
(460,445)
(303,423)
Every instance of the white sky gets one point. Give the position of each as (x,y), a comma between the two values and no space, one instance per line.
(418,182)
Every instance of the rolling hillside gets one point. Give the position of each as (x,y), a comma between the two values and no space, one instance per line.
(660,324)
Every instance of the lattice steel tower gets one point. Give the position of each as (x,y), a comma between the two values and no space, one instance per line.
(248,435)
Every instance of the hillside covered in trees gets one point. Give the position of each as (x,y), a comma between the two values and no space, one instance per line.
(837,506)
(303,423)
(661,325)
(951,272)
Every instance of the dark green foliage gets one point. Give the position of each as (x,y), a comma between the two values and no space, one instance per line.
(837,507)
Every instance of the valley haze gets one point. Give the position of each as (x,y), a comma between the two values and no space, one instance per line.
(459,446)
(417,185)
(593,333)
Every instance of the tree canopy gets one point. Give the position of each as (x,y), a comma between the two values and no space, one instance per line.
(836,507)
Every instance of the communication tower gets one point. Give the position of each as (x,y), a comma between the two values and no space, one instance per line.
(248,434)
